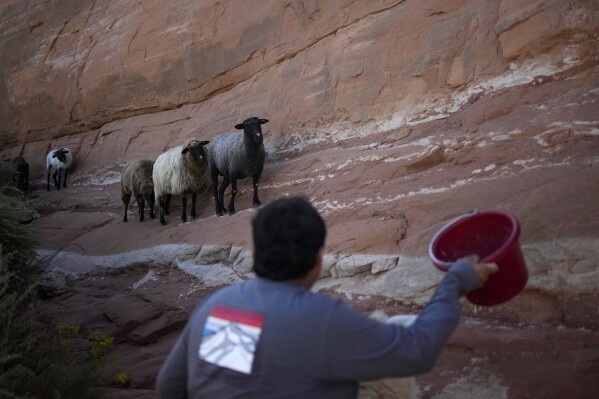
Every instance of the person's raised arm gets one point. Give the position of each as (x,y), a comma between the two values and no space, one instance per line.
(360,348)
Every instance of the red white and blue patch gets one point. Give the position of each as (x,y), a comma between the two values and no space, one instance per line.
(230,338)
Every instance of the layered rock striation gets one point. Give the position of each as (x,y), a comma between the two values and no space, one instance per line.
(393,117)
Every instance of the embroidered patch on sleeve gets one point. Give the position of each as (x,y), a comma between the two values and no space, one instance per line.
(230,338)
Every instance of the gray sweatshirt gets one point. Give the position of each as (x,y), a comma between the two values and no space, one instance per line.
(266,339)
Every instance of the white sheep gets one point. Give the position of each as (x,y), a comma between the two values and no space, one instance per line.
(61,160)
(181,171)
(237,156)
(136,181)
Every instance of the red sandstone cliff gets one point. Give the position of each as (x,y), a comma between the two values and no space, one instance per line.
(392,116)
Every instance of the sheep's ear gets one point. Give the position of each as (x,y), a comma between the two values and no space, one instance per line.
(54,154)
(184,150)
(263,121)
(204,142)
(239,126)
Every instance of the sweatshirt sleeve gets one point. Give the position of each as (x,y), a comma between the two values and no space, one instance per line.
(361,348)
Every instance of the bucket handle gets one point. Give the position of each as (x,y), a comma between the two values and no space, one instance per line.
(468,214)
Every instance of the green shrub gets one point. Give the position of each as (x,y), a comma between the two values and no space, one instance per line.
(16,237)
(72,368)
(19,333)
(38,359)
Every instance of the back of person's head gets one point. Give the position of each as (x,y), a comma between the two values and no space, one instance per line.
(288,233)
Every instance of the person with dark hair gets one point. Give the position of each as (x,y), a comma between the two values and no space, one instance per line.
(271,337)
(287,239)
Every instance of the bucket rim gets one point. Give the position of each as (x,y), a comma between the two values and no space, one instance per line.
(492,257)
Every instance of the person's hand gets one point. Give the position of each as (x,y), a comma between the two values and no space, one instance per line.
(483,270)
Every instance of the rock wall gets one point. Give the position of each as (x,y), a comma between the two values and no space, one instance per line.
(73,67)
(393,117)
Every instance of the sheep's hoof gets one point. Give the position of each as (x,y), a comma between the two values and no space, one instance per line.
(162,223)
(257,204)
(124,220)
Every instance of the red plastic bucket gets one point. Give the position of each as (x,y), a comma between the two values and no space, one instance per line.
(492,235)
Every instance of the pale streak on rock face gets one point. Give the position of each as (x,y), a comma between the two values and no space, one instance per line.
(150,276)
(327,206)
(476,384)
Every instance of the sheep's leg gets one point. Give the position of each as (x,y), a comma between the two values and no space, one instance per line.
(233,193)
(56,183)
(151,206)
(183,208)
(161,204)
(221,195)
(167,204)
(48,170)
(125,198)
(214,179)
(65,178)
(257,202)
(141,205)
(194,197)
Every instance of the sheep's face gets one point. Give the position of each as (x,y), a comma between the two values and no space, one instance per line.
(252,128)
(197,150)
(61,155)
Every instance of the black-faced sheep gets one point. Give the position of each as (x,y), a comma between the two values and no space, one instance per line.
(136,181)
(237,156)
(20,173)
(181,171)
(61,160)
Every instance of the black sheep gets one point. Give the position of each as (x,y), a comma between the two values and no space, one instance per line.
(237,156)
